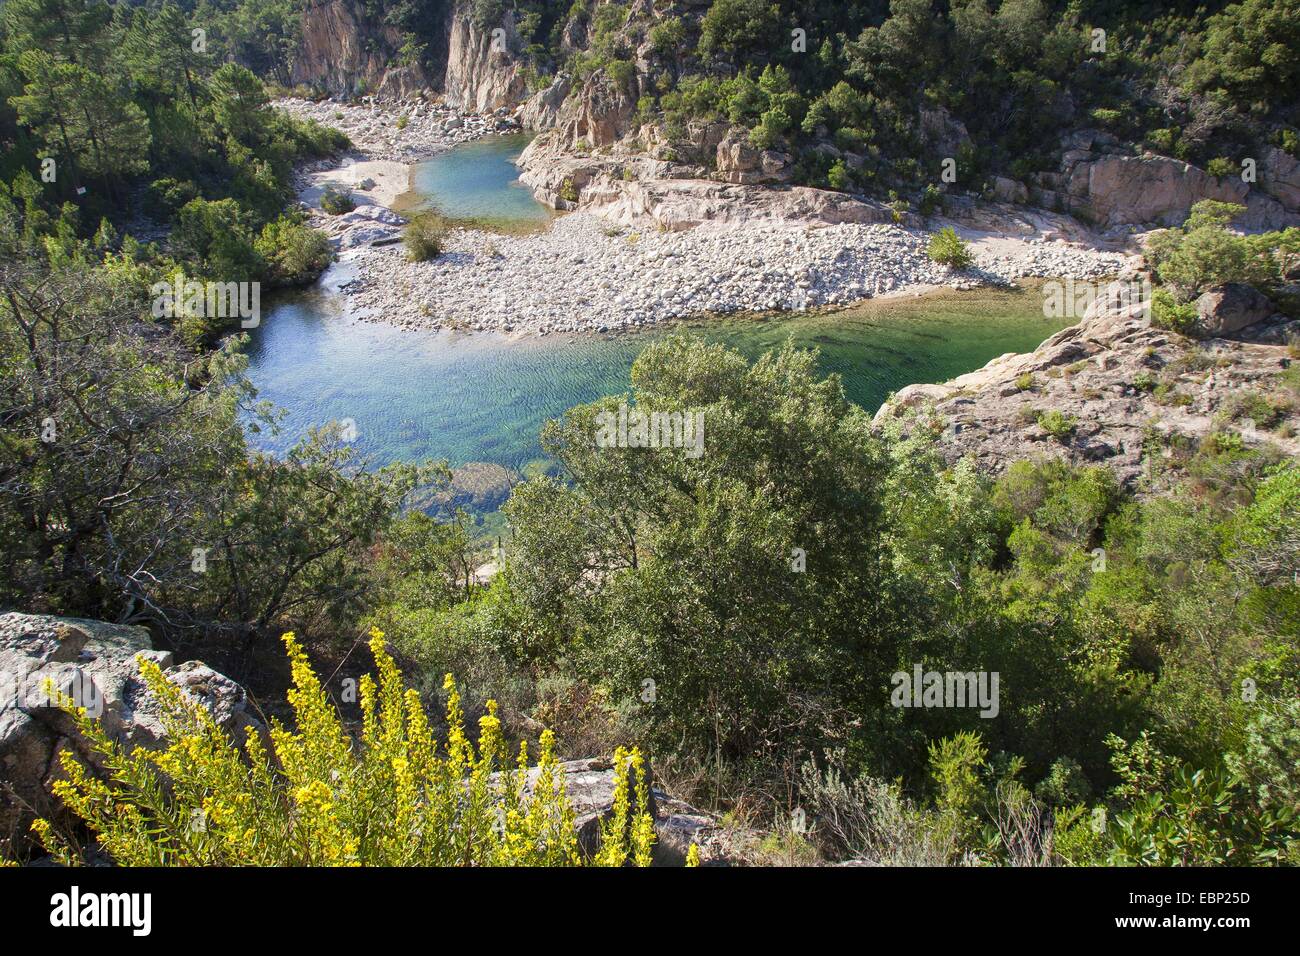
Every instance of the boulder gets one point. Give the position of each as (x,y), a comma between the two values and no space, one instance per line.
(739,162)
(589,785)
(1231,307)
(98,665)
(1009,190)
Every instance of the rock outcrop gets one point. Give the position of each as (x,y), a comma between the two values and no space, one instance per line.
(1112,379)
(541,111)
(739,162)
(483,70)
(1231,307)
(1103,183)
(97,664)
(346,49)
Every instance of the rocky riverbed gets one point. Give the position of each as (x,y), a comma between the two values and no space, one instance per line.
(585,275)
(399,131)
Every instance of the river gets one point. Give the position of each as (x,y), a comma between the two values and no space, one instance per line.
(483,398)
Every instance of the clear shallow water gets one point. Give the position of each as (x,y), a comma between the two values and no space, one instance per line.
(484,398)
(462,397)
(477,180)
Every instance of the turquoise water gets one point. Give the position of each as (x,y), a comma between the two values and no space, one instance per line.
(480,397)
(477,180)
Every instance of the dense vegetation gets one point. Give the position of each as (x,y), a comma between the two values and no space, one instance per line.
(864,94)
(740,614)
(121,119)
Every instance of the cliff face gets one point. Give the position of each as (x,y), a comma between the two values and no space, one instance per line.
(483,68)
(347,49)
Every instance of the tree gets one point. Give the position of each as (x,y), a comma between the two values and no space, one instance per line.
(239,103)
(103,134)
(737,580)
(739,28)
(71,31)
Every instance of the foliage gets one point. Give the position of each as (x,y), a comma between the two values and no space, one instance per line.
(948,249)
(337,201)
(1202,252)
(424,236)
(312,798)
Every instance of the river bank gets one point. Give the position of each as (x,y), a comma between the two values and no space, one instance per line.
(586,273)
(583,275)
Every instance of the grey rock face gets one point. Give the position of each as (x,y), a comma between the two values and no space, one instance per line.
(97,664)
(1101,373)
(1230,308)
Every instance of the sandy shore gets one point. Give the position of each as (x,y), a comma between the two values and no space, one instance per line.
(380,180)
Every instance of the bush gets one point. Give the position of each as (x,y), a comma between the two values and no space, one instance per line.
(839,177)
(1168,314)
(294,252)
(166,197)
(316,799)
(1202,253)
(931,201)
(424,236)
(1058,424)
(1219,167)
(948,249)
(336,201)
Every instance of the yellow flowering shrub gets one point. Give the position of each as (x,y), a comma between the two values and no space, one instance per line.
(309,796)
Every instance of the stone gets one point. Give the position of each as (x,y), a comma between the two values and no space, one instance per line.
(98,664)
(1231,307)
(739,162)
(1009,190)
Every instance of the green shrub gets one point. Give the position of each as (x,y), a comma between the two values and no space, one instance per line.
(1202,253)
(1058,424)
(424,236)
(1220,167)
(1144,381)
(838,177)
(1169,314)
(166,197)
(294,252)
(336,201)
(621,73)
(948,249)
(931,201)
